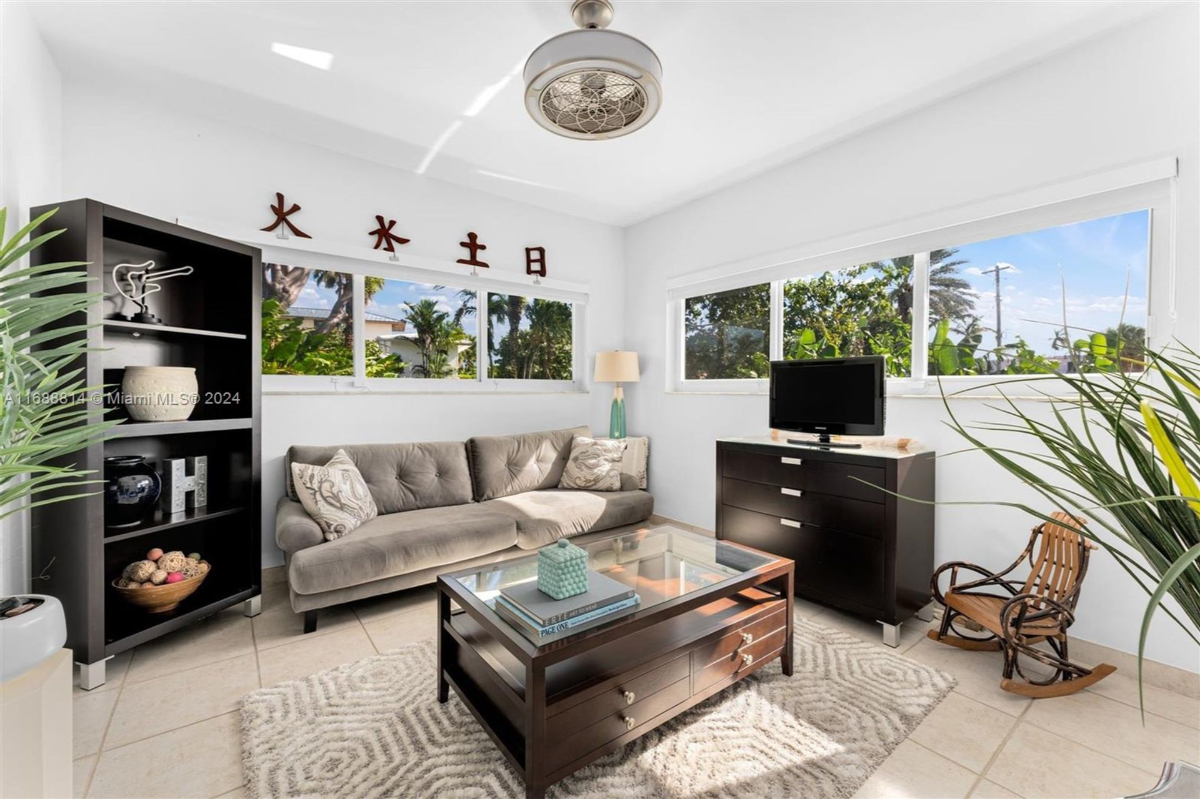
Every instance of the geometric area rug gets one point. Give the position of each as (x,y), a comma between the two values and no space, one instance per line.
(374,728)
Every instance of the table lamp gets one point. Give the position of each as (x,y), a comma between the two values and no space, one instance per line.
(617,366)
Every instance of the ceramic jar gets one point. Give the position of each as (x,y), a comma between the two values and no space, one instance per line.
(160,393)
(131,490)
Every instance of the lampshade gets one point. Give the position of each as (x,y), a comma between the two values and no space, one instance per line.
(616,366)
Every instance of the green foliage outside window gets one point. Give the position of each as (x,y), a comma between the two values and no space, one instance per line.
(289,349)
(726,334)
(529,339)
(868,310)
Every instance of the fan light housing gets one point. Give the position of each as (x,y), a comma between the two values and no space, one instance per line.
(591,83)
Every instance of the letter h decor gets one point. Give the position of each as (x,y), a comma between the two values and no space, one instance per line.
(183,491)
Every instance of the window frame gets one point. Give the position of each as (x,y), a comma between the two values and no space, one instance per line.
(1156,195)
(416,269)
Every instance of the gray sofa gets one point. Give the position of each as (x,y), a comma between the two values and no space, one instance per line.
(443,506)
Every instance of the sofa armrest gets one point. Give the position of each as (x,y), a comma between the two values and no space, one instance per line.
(294,528)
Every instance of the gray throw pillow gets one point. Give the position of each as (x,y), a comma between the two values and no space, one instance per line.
(335,495)
(594,464)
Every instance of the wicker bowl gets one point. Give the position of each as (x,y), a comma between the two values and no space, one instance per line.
(160,598)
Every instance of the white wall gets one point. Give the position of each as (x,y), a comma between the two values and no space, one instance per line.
(1129,96)
(30,154)
(169,163)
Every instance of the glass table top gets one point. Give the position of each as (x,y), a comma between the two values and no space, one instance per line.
(659,564)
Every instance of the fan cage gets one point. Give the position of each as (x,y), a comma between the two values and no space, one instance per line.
(593,101)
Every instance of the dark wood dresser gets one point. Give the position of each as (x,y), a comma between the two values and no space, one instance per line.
(856,547)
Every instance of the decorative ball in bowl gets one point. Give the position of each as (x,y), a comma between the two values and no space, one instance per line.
(162,580)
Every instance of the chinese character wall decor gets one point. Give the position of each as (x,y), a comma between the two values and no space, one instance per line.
(472,244)
(385,238)
(535,261)
(281,218)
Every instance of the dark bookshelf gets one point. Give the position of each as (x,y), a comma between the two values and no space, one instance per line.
(211,322)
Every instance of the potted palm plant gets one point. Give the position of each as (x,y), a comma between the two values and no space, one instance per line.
(46,416)
(1122,447)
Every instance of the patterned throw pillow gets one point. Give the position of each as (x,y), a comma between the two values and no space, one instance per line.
(594,464)
(335,495)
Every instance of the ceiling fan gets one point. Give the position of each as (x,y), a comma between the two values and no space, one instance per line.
(593,83)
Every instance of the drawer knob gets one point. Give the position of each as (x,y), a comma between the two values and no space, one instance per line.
(630,697)
(791,461)
(791,523)
(747,659)
(747,638)
(630,723)
(791,492)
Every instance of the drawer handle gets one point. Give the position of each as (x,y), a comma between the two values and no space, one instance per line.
(747,659)
(791,461)
(791,522)
(630,723)
(630,697)
(747,638)
(791,492)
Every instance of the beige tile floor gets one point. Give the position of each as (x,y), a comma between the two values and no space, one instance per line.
(165,724)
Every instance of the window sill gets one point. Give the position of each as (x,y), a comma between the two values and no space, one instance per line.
(291,385)
(358,392)
(956,388)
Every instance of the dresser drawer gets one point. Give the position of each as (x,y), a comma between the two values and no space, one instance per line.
(624,694)
(823,510)
(806,474)
(741,659)
(833,562)
(738,639)
(570,747)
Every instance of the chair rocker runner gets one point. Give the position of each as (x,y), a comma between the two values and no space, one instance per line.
(1038,611)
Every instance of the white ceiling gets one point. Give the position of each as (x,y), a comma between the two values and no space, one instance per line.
(747,85)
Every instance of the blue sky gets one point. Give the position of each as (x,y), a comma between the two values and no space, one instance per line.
(389,301)
(1093,258)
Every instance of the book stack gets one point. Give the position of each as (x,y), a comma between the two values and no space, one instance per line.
(541,616)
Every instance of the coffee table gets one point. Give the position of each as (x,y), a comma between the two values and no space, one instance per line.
(711,613)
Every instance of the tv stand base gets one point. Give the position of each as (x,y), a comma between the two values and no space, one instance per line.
(823,441)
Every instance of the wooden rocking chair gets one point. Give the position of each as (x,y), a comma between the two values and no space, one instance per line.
(1040,611)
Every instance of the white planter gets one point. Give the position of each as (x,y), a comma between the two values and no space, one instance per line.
(160,393)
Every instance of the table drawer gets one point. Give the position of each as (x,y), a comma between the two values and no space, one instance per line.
(736,639)
(564,750)
(808,474)
(823,510)
(624,694)
(738,660)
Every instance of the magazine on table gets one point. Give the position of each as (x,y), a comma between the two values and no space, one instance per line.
(519,619)
(544,610)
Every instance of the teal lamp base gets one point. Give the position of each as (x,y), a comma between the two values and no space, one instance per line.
(616,418)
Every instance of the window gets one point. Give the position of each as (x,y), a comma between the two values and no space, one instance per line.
(726,334)
(864,310)
(998,306)
(529,339)
(419,330)
(1069,298)
(307,321)
(331,330)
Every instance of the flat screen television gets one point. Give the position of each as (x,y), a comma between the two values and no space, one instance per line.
(829,396)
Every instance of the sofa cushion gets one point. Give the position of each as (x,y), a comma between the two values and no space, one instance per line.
(334,495)
(398,543)
(594,464)
(543,517)
(505,465)
(401,477)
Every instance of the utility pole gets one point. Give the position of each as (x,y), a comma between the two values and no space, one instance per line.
(996,270)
